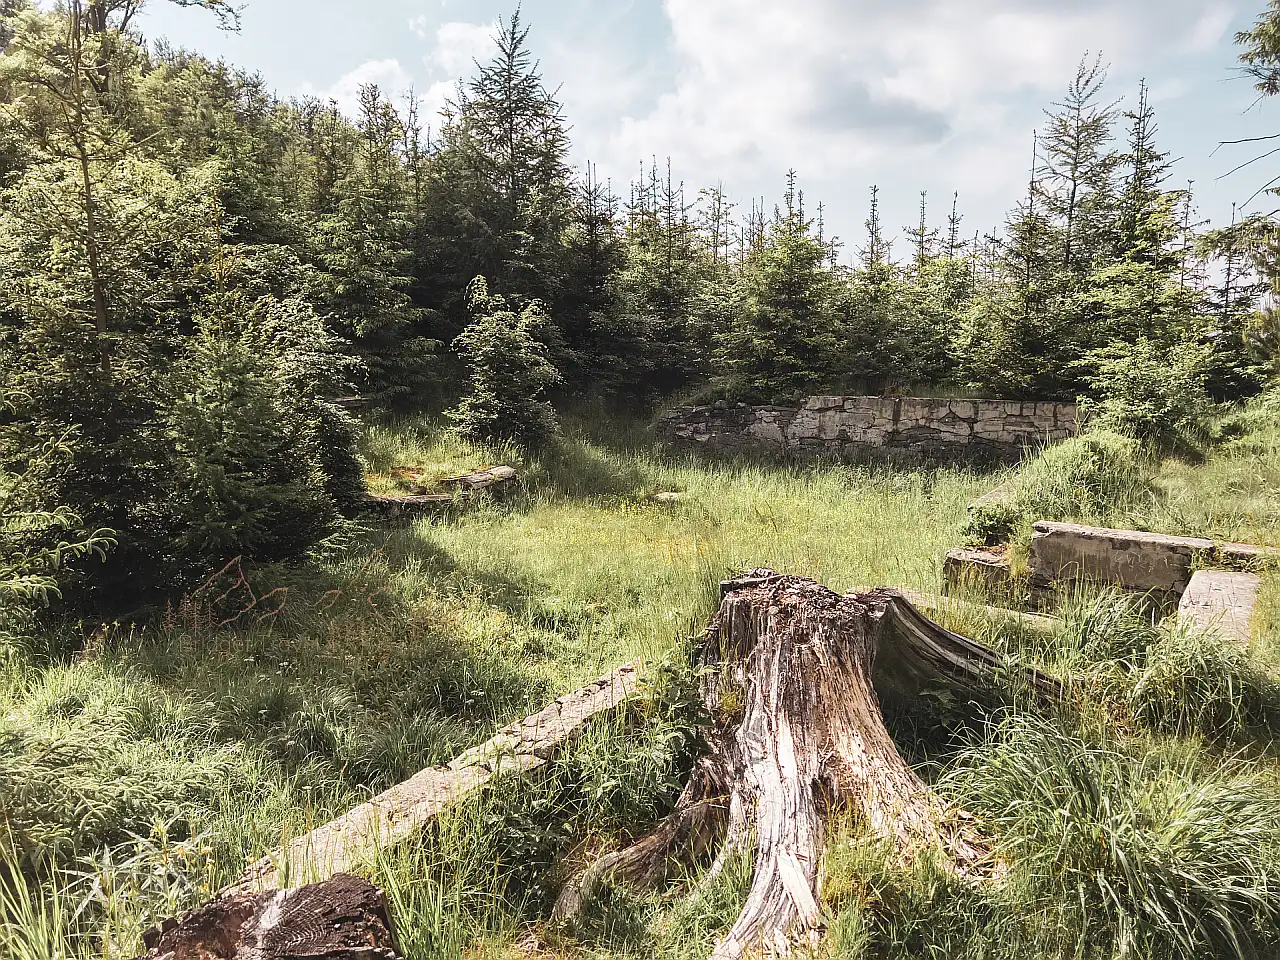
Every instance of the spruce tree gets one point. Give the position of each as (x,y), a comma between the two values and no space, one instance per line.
(785,342)
(508,369)
(501,193)
(660,278)
(1076,176)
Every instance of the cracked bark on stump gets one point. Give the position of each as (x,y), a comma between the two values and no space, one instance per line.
(798,673)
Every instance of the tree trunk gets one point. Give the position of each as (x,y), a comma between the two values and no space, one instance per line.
(795,675)
(344,918)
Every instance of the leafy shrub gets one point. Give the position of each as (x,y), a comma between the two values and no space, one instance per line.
(509,372)
(36,544)
(993,523)
(246,482)
(1155,394)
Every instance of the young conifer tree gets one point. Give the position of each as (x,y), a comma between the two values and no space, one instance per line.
(509,371)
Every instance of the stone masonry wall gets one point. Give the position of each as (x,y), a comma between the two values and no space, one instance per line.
(974,429)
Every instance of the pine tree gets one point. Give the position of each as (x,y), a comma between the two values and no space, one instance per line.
(1147,222)
(362,233)
(659,281)
(503,189)
(1076,176)
(785,341)
(248,482)
(1015,339)
(955,246)
(108,244)
(923,239)
(599,347)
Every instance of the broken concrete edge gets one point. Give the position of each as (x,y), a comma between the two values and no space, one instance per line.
(1221,602)
(1247,557)
(1135,559)
(1127,536)
(359,835)
(467,485)
(1169,569)
(1213,554)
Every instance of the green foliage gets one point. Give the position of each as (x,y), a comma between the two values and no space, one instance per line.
(1152,393)
(247,478)
(1261,54)
(1091,478)
(1189,681)
(785,342)
(509,371)
(36,545)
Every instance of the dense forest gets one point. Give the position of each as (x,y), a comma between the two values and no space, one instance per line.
(192,270)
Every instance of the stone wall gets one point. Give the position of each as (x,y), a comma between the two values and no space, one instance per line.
(973,429)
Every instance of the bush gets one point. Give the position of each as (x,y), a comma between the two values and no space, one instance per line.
(992,523)
(1088,479)
(1193,681)
(37,545)
(248,482)
(1156,395)
(219,445)
(509,372)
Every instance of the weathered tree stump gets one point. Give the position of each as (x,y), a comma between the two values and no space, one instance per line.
(344,918)
(796,674)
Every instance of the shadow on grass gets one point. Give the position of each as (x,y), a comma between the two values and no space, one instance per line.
(357,673)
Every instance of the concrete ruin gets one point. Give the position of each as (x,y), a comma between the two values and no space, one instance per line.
(1182,570)
(975,430)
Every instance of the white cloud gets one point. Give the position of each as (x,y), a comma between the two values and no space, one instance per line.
(389,75)
(456,47)
(1209,29)
(459,45)
(841,87)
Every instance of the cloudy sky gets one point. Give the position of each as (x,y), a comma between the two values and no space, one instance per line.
(936,95)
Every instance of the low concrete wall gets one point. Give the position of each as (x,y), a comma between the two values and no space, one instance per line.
(977,429)
(1128,558)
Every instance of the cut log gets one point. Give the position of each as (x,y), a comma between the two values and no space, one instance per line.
(797,675)
(344,918)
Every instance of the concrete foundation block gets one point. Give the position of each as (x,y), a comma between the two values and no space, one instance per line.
(1128,558)
(1221,601)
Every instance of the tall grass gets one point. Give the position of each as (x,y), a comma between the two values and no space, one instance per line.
(1149,852)
(144,765)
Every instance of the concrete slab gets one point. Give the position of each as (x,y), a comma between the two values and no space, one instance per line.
(1248,555)
(966,566)
(1133,559)
(1222,601)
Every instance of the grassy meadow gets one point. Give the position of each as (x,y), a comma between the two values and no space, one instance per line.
(142,765)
